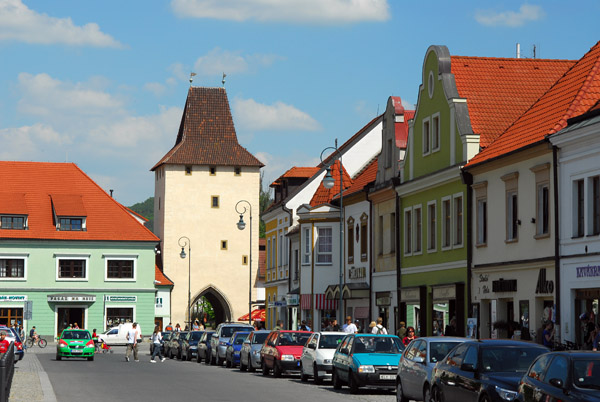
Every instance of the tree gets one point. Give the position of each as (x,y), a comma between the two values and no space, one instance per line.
(146,209)
(264,200)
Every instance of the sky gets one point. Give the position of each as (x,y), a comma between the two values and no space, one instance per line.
(103,83)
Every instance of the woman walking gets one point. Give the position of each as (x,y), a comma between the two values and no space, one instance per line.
(157,343)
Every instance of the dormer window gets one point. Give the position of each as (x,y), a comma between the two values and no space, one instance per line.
(69,212)
(13,222)
(70,224)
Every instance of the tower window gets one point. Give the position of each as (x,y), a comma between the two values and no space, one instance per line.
(213,170)
(188,170)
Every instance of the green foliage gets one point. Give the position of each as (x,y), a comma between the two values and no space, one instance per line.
(146,209)
(264,200)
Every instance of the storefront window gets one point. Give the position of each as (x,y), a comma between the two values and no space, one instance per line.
(119,315)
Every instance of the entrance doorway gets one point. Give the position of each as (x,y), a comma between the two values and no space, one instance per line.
(70,316)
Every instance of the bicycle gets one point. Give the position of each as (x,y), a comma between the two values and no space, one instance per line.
(41,342)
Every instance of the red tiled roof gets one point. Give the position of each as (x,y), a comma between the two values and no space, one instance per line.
(573,94)
(39,184)
(367,176)
(13,203)
(499,90)
(262,257)
(325,195)
(206,134)
(131,211)
(296,172)
(160,278)
(401,129)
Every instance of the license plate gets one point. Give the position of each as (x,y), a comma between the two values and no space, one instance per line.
(387,377)
(75,351)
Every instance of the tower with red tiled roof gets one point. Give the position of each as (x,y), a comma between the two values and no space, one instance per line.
(197,186)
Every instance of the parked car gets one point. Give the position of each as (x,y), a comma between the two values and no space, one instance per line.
(416,366)
(281,352)
(317,355)
(483,370)
(75,343)
(367,360)
(250,353)
(165,343)
(165,335)
(218,342)
(12,335)
(234,345)
(204,347)
(189,345)
(174,345)
(117,335)
(562,376)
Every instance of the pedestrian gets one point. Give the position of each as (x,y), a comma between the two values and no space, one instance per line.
(379,328)
(350,327)
(402,330)
(157,342)
(169,327)
(177,327)
(279,326)
(304,326)
(410,335)
(21,332)
(95,338)
(4,343)
(132,337)
(596,339)
(451,328)
(75,326)
(196,325)
(548,335)
(334,325)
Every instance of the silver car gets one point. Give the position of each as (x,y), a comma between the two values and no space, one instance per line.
(250,353)
(318,354)
(218,342)
(417,363)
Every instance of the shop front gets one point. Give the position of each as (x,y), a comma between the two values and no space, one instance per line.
(356,297)
(385,300)
(292,301)
(70,310)
(12,309)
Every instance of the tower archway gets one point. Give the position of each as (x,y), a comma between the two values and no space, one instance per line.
(219,302)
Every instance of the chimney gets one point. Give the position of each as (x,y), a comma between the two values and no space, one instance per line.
(518,50)
(111,191)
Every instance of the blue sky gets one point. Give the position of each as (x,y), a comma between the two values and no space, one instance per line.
(103,83)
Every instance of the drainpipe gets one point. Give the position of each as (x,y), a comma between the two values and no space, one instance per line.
(395,182)
(556,240)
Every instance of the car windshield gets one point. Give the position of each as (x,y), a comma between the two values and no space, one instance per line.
(167,335)
(76,335)
(293,338)
(508,359)
(260,338)
(194,336)
(330,341)
(226,332)
(182,335)
(240,338)
(586,373)
(439,350)
(377,344)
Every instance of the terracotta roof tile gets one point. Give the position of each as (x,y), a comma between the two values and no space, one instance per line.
(325,195)
(39,184)
(68,205)
(206,134)
(13,203)
(499,90)
(161,278)
(401,129)
(365,177)
(573,94)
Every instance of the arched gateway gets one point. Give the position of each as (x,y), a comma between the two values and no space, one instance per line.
(197,186)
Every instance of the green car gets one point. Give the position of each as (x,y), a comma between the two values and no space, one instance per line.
(75,343)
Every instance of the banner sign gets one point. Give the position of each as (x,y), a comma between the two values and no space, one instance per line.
(10,298)
(129,299)
(68,298)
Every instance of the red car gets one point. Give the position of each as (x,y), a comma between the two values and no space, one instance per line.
(282,351)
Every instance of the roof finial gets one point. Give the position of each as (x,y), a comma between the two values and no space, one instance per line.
(192,75)
(223,80)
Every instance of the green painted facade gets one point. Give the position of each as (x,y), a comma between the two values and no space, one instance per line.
(41,265)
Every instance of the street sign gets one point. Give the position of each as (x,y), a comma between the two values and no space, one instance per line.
(28,310)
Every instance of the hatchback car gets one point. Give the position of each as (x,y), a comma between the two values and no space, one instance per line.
(483,370)
(417,363)
(562,376)
(218,342)
(174,345)
(75,343)
(189,345)
(204,347)
(250,353)
(367,360)
(234,345)
(281,352)
(13,336)
(318,354)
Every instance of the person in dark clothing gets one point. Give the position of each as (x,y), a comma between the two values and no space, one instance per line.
(451,328)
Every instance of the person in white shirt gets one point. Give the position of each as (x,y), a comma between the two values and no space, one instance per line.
(157,345)
(132,336)
(379,328)
(350,327)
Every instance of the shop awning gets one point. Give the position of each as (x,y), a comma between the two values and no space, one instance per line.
(305,302)
(356,291)
(323,303)
(257,315)
(332,292)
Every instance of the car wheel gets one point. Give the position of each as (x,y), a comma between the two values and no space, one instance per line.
(436,395)
(218,361)
(303,377)
(198,358)
(399,393)
(265,369)
(91,359)
(58,357)
(242,366)
(426,394)
(277,372)
(207,360)
(251,368)
(316,377)
(227,363)
(352,384)
(337,384)
(189,356)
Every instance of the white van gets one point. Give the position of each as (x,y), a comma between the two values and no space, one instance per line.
(117,335)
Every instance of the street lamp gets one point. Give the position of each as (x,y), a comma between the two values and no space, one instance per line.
(183,242)
(329,182)
(241,226)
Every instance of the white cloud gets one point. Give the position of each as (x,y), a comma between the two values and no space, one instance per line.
(251,115)
(525,14)
(30,142)
(218,61)
(155,87)
(297,11)
(408,105)
(20,23)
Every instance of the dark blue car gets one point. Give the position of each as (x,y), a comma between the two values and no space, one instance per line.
(234,346)
(203,351)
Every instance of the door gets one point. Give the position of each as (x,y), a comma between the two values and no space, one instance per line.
(554,379)
(532,381)
(467,386)
(411,369)
(158,321)
(450,374)
(70,316)
(308,354)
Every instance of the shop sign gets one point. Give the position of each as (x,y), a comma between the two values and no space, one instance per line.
(158,302)
(543,285)
(82,298)
(383,299)
(409,295)
(357,272)
(444,293)
(12,298)
(292,299)
(128,299)
(590,271)
(504,285)
(277,304)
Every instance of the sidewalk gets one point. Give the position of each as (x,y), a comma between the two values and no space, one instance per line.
(30,381)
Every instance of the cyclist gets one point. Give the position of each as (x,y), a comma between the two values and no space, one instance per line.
(32,334)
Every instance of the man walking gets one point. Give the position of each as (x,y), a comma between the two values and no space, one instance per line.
(4,343)
(350,327)
(132,336)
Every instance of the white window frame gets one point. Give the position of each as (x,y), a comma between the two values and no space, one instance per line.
(539,230)
(446,238)
(416,234)
(16,256)
(434,117)
(127,257)
(85,257)
(107,306)
(307,246)
(458,241)
(432,247)
(408,223)
(426,136)
(268,253)
(323,253)
(280,250)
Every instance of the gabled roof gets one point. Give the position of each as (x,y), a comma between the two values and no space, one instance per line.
(364,178)
(325,195)
(401,129)
(499,90)
(296,172)
(40,184)
(573,94)
(206,134)
(160,278)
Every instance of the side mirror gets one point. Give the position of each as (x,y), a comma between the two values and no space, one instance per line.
(247,342)
(556,383)
(311,346)
(344,351)
(419,359)
(467,367)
